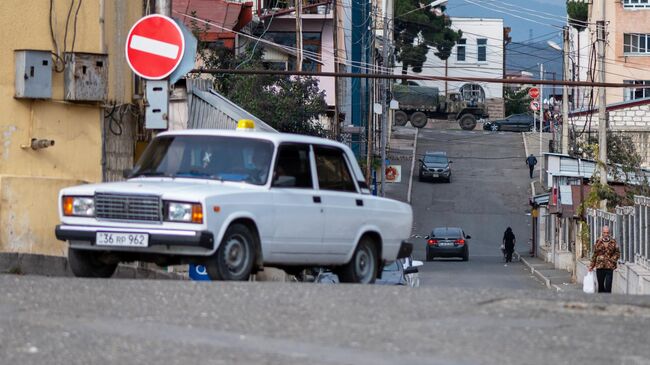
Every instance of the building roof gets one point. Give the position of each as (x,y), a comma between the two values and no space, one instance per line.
(610,107)
(225,14)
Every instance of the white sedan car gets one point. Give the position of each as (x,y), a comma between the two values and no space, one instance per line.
(235,202)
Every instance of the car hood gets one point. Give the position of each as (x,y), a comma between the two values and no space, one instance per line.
(192,189)
(436,165)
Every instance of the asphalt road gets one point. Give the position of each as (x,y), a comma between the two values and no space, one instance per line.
(489,191)
(118,321)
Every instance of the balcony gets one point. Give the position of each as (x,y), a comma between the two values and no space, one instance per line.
(311,9)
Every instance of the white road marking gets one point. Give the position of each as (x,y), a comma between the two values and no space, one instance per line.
(155,47)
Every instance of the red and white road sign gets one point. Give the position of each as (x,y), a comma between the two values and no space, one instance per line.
(533,92)
(154,47)
(534,105)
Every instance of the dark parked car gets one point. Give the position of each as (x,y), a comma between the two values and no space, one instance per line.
(447,242)
(516,123)
(435,165)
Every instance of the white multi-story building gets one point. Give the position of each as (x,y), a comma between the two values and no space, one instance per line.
(479,53)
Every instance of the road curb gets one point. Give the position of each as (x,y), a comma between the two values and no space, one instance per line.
(545,280)
(415,148)
(57,266)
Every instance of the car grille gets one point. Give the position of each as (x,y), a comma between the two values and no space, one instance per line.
(122,207)
(436,170)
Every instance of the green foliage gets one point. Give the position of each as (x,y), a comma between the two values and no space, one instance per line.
(415,32)
(585,237)
(578,12)
(516,100)
(620,150)
(288,104)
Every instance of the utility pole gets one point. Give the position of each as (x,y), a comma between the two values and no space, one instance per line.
(384,113)
(335,125)
(541,124)
(602,118)
(565,92)
(164,7)
(298,8)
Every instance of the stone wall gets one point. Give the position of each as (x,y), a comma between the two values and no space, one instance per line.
(496,108)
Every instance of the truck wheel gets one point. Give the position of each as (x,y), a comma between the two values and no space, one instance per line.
(467,122)
(235,257)
(362,268)
(401,118)
(86,264)
(418,119)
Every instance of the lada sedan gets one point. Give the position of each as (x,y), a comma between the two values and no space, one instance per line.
(235,202)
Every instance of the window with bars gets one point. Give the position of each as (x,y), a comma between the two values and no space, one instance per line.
(460,50)
(637,92)
(482,49)
(635,43)
(636,4)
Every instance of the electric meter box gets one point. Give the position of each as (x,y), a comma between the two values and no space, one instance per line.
(33,74)
(86,76)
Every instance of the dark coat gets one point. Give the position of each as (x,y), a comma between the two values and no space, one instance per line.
(509,241)
(531,161)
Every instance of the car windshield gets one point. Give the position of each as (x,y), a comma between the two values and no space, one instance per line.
(207,157)
(393,266)
(435,159)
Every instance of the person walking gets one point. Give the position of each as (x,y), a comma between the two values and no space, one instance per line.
(605,260)
(531,161)
(509,244)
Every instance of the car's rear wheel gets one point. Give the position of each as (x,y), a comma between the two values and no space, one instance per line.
(466,254)
(401,118)
(88,264)
(419,119)
(235,257)
(362,268)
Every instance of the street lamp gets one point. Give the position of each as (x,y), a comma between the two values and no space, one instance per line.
(384,89)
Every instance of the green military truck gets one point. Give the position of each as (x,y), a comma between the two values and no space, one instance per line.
(419,103)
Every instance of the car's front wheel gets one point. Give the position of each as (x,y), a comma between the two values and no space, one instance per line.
(494,128)
(235,257)
(362,268)
(88,264)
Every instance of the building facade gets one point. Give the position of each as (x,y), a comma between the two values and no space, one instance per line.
(68,114)
(479,53)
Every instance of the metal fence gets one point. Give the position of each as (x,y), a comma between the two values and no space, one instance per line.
(629,226)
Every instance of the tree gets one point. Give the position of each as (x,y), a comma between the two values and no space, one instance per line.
(418,30)
(288,104)
(578,12)
(516,100)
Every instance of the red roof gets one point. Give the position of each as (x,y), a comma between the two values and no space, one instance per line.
(224,14)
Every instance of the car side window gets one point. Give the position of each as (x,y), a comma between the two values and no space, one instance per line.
(332,169)
(292,167)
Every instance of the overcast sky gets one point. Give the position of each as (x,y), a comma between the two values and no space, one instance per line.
(543,17)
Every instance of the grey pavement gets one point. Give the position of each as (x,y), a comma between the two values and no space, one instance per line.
(81,321)
(531,145)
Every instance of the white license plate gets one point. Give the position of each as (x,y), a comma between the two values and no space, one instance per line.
(446,244)
(122,239)
(434,175)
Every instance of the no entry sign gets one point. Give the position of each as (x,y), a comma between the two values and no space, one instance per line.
(154,47)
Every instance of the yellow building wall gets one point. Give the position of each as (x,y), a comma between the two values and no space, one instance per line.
(30,180)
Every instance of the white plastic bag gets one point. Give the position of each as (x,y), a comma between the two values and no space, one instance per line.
(588,283)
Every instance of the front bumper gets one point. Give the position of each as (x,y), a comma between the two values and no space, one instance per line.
(435,174)
(85,236)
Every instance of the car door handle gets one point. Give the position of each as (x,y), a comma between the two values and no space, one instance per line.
(317,199)
(359,202)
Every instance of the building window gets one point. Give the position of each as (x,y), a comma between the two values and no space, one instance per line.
(482,49)
(460,50)
(636,4)
(637,92)
(636,43)
(311,44)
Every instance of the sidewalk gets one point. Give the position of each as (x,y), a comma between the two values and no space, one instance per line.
(531,145)
(559,280)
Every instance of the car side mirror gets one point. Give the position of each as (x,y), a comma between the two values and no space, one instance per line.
(411,270)
(468,237)
(126,173)
(451,161)
(421,160)
(426,237)
(285,181)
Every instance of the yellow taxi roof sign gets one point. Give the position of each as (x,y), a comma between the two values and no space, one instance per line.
(245,125)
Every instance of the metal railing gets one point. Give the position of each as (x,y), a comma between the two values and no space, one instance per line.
(629,226)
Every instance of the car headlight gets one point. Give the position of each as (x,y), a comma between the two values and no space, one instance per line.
(81,206)
(184,212)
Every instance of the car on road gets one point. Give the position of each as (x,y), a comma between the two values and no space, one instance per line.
(401,272)
(236,201)
(434,166)
(447,242)
(516,123)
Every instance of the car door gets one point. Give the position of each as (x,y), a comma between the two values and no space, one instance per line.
(344,206)
(507,123)
(297,207)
